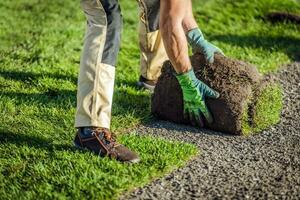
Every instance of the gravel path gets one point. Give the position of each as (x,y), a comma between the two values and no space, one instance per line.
(263,166)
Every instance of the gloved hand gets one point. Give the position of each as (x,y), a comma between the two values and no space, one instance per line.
(197,41)
(194,93)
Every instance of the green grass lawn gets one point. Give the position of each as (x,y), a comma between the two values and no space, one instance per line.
(40,44)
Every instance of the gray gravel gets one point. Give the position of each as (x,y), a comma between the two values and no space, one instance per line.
(263,166)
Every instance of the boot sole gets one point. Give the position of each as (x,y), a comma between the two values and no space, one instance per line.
(146,86)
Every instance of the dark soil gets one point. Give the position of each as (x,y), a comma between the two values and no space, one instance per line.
(276,17)
(237,82)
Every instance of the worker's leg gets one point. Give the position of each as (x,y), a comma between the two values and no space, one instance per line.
(96,81)
(97,65)
(153,53)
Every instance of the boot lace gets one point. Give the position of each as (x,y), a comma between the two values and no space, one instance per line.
(107,137)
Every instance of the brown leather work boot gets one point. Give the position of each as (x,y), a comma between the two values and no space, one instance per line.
(147,84)
(102,142)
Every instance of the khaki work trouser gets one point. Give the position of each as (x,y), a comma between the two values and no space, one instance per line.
(153,53)
(99,56)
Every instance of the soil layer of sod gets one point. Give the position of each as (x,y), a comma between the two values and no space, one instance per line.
(248,102)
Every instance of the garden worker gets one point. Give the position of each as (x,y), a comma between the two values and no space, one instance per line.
(152,50)
(98,60)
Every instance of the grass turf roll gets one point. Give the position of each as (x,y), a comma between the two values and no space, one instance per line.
(248,102)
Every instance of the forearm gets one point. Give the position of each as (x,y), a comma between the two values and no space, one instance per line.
(189,21)
(195,36)
(173,34)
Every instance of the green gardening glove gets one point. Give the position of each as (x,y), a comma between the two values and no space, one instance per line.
(197,41)
(194,94)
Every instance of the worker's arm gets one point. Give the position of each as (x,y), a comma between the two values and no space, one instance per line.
(173,13)
(171,18)
(195,37)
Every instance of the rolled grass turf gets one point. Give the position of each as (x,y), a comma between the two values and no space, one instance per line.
(248,102)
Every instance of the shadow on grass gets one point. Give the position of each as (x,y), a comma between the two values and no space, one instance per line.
(288,45)
(32,141)
(50,98)
(29,77)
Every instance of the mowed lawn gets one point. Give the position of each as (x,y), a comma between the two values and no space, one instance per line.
(40,45)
